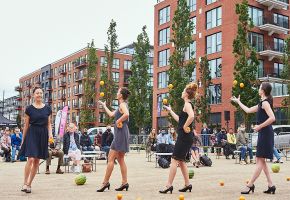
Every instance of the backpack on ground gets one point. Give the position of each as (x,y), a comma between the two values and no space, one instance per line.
(206,161)
(163,162)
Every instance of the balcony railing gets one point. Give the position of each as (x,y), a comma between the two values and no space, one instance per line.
(79,77)
(271,50)
(18,88)
(76,106)
(80,63)
(273,25)
(78,92)
(62,72)
(62,97)
(48,88)
(62,84)
(274,4)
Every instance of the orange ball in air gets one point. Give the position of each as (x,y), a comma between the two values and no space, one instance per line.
(165,101)
(235,82)
(242,85)
(102,82)
(102,94)
(170,86)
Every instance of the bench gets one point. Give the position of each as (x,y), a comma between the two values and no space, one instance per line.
(160,154)
(238,155)
(135,147)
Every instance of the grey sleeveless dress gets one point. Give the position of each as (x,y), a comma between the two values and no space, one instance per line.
(121,135)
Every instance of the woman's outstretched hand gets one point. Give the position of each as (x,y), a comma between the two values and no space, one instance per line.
(102,103)
(235,99)
(168,108)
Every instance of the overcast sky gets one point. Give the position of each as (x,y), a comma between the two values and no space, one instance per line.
(35,33)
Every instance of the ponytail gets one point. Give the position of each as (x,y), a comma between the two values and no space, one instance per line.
(270,100)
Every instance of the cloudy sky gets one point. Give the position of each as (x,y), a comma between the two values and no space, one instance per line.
(35,33)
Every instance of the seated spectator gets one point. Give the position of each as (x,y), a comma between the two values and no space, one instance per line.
(152,140)
(71,147)
(173,135)
(54,149)
(98,140)
(107,139)
(242,144)
(232,142)
(277,156)
(6,145)
(164,138)
(85,142)
(195,152)
(16,139)
(222,142)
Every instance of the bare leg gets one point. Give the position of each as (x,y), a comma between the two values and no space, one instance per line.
(172,172)
(267,173)
(33,171)
(193,156)
(27,170)
(258,170)
(123,167)
(110,166)
(184,172)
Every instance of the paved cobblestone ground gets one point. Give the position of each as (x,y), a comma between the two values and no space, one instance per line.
(145,180)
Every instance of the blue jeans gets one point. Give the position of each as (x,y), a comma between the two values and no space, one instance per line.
(276,153)
(14,148)
(87,148)
(243,150)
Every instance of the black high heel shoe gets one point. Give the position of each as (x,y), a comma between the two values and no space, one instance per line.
(122,187)
(166,190)
(252,188)
(107,185)
(189,187)
(271,190)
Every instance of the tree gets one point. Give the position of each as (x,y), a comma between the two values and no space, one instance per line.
(180,72)
(109,88)
(138,82)
(246,66)
(286,75)
(87,113)
(202,102)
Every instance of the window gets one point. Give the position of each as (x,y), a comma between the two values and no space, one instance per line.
(279,45)
(127,64)
(192,5)
(69,66)
(160,97)
(260,72)
(126,77)
(210,1)
(102,117)
(116,76)
(163,58)
(214,43)
(214,18)
(193,75)
(164,15)
(256,15)
(215,68)
(150,84)
(68,92)
(256,40)
(162,80)
(281,20)
(150,69)
(103,61)
(279,89)
(190,51)
(215,94)
(193,19)
(278,69)
(116,63)
(115,104)
(164,36)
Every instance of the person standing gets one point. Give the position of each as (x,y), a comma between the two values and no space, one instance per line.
(184,139)
(265,144)
(36,134)
(16,139)
(120,144)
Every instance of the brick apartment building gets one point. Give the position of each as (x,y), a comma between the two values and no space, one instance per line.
(62,81)
(215,29)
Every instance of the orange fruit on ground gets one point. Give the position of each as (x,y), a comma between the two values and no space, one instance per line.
(242,85)
(242,198)
(181,197)
(120,125)
(288,178)
(102,94)
(102,82)
(247,181)
(165,101)
(187,130)
(119,196)
(235,82)
(170,86)
(222,183)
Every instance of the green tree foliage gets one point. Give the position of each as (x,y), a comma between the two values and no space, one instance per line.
(180,72)
(286,75)
(138,83)
(246,66)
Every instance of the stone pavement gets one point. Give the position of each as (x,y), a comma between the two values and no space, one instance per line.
(145,180)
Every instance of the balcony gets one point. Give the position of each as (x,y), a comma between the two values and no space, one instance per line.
(49,100)
(78,92)
(28,85)
(62,97)
(18,108)
(18,98)
(272,25)
(80,63)
(38,81)
(50,77)
(76,106)
(49,88)
(28,95)
(62,84)
(271,51)
(62,72)
(79,77)
(18,88)
(275,4)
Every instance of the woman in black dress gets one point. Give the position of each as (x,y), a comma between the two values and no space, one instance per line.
(36,134)
(184,139)
(265,143)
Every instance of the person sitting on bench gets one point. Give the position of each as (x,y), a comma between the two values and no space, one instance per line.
(54,149)
(85,142)
(242,144)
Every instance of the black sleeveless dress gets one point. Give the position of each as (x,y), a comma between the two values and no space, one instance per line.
(265,142)
(184,140)
(35,143)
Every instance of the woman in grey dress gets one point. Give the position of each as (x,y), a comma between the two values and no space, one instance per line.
(120,144)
